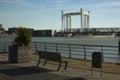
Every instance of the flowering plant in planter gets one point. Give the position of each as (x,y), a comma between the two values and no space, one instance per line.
(21,51)
(23,38)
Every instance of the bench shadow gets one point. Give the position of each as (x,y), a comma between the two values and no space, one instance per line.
(24,71)
(4,62)
(77,78)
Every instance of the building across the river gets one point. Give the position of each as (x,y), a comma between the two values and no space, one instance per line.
(91,31)
(44,33)
(2,30)
(34,33)
(13,30)
(72,32)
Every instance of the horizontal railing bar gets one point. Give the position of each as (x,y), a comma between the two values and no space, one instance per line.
(113,57)
(80,44)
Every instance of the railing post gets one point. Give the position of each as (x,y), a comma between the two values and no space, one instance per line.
(4,47)
(35,46)
(102,53)
(45,46)
(69,50)
(56,47)
(84,52)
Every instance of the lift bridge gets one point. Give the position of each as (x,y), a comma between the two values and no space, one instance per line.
(84,20)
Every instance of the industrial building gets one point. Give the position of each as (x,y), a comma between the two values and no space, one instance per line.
(13,30)
(34,33)
(44,33)
(2,30)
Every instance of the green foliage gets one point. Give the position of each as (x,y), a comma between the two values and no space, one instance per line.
(24,37)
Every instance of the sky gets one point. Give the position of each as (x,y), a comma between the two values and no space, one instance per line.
(46,14)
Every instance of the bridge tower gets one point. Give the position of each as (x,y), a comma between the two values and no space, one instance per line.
(84,17)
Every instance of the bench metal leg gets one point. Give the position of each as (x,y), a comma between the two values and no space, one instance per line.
(45,62)
(38,61)
(66,63)
(59,66)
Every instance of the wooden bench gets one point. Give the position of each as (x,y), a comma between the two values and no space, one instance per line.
(51,56)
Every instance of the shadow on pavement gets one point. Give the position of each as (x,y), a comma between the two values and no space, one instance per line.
(77,78)
(4,62)
(23,71)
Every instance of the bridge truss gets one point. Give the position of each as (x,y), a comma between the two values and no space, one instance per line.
(84,20)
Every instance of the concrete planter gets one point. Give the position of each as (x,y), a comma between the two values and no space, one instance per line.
(19,54)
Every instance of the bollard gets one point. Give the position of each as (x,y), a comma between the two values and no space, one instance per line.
(96,62)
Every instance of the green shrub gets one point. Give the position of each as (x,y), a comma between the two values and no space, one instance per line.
(23,37)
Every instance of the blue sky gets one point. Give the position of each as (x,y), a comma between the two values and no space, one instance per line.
(46,14)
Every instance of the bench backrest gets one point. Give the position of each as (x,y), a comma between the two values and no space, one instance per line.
(53,56)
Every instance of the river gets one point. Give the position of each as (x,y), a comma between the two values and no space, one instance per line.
(72,40)
(79,40)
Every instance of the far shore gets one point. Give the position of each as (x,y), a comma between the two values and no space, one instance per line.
(111,36)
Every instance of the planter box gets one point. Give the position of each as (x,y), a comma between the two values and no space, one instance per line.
(20,54)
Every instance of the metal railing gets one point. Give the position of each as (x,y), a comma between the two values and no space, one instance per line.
(79,51)
(4,46)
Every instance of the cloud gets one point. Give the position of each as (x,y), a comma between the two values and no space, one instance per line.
(106,8)
(62,1)
(12,1)
(17,2)
(101,5)
(110,4)
(101,8)
(57,1)
(55,5)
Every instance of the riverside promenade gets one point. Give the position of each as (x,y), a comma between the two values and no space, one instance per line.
(77,70)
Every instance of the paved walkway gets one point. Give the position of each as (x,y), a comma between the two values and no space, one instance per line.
(27,71)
